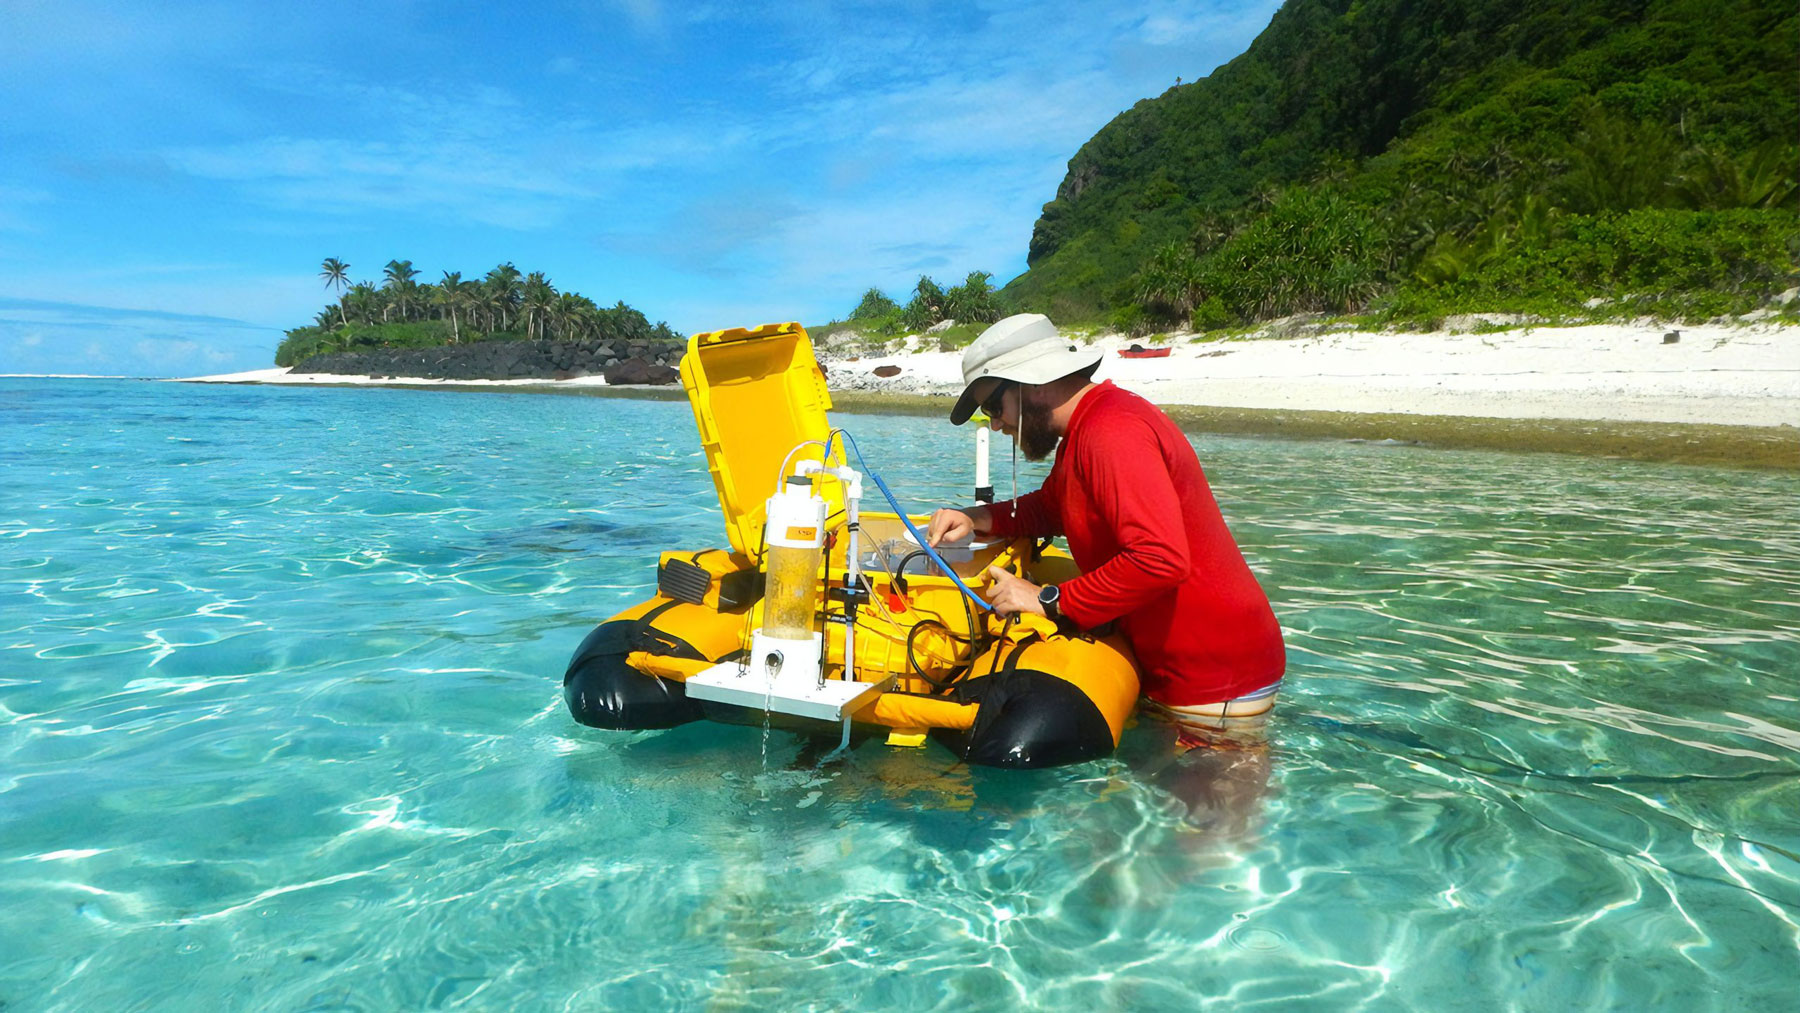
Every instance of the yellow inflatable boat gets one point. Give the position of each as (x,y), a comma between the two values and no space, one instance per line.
(765,627)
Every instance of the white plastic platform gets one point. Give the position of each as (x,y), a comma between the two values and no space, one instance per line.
(834,701)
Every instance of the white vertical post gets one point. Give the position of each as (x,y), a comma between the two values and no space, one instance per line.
(984,486)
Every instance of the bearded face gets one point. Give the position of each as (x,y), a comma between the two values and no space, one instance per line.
(1036,437)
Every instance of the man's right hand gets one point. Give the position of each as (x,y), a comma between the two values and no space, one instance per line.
(949,525)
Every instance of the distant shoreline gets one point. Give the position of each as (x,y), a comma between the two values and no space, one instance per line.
(1742,444)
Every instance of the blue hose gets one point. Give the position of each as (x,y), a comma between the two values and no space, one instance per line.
(901,513)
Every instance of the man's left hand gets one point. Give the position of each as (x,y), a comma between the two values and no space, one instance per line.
(1011,595)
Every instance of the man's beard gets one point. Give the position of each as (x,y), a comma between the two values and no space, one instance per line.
(1036,437)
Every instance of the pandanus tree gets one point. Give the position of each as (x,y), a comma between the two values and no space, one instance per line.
(974,301)
(1169,284)
(337,275)
(926,306)
(874,305)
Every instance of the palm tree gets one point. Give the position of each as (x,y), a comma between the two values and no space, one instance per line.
(337,275)
(399,275)
(577,315)
(481,304)
(1616,164)
(539,297)
(366,298)
(503,284)
(1714,180)
(425,296)
(450,294)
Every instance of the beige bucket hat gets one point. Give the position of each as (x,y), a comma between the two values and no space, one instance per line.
(1025,348)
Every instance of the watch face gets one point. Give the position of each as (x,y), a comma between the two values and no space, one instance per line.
(1047,595)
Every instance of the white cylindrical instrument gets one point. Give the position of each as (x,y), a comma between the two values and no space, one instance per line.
(794,541)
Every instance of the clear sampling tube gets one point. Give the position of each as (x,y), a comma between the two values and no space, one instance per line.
(795,540)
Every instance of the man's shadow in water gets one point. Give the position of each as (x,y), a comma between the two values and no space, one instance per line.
(1224,786)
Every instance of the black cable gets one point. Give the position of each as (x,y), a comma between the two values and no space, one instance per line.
(969,613)
(912,663)
(1004,630)
(900,570)
(899,580)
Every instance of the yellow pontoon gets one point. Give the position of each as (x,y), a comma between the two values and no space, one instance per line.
(765,626)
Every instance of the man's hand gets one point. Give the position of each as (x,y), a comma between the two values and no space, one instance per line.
(1011,595)
(949,525)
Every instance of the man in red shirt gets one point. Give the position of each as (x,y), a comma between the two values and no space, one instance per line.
(1128,493)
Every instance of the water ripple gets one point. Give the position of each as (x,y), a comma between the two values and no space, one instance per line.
(280,728)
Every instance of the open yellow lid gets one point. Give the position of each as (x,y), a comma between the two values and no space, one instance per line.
(757,394)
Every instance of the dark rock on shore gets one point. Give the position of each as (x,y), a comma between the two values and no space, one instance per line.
(645,363)
(638,370)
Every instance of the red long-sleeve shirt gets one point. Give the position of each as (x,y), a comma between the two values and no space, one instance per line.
(1127,491)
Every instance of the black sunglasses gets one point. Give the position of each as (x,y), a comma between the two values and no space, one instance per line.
(992,405)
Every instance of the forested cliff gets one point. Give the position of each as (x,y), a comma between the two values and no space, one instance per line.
(1409,155)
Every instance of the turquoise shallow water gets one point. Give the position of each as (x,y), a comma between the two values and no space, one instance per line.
(280,729)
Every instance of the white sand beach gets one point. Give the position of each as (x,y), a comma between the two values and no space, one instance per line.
(1726,375)
(1729,374)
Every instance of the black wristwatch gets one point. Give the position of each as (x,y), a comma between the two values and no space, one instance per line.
(1048,596)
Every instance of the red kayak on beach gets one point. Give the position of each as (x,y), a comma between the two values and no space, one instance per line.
(1140,352)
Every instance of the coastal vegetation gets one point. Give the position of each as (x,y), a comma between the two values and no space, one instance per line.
(954,315)
(504,305)
(1580,159)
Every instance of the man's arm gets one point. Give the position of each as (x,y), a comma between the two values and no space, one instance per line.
(954,525)
(1033,515)
(1128,482)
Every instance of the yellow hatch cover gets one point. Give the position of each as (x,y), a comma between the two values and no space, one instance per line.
(757,393)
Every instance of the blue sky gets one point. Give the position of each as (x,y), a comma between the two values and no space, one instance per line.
(171,175)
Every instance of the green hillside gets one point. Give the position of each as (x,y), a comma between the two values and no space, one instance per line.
(1413,156)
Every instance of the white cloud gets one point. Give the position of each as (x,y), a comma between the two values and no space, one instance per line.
(167,352)
(38,337)
(220,294)
(646,14)
(479,155)
(1176,24)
